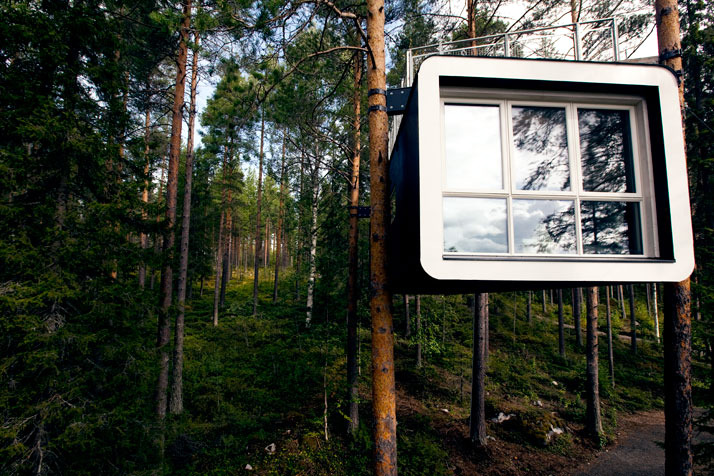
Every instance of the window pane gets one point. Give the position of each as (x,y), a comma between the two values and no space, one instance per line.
(544,226)
(475,225)
(606,150)
(611,227)
(540,161)
(473,147)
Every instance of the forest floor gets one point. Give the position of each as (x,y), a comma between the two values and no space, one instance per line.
(266,395)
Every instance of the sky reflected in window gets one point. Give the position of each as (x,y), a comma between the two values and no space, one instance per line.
(475,225)
(544,226)
(473,147)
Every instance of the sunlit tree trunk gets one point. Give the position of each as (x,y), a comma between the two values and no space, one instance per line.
(312,263)
(594,422)
(677,301)
(477,422)
(561,325)
(176,400)
(383,385)
(577,300)
(656,311)
(417,305)
(257,217)
(279,231)
(164,330)
(633,321)
(353,255)
(610,352)
(143,237)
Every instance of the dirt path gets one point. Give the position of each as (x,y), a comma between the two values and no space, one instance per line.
(639,450)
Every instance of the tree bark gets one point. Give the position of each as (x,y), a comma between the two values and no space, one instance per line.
(257,217)
(477,422)
(610,352)
(576,302)
(279,230)
(143,237)
(677,302)
(407,317)
(417,304)
(594,422)
(353,255)
(176,400)
(633,321)
(383,386)
(312,256)
(164,329)
(656,311)
(545,310)
(561,325)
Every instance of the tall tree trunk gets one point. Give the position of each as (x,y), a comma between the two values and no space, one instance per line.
(561,325)
(221,239)
(477,422)
(656,311)
(610,352)
(486,331)
(577,301)
(407,317)
(219,267)
(312,264)
(633,321)
(677,301)
(143,237)
(621,302)
(225,261)
(383,389)
(257,216)
(176,400)
(164,329)
(417,305)
(353,250)
(279,230)
(545,310)
(594,422)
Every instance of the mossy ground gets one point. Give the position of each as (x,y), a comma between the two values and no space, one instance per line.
(253,381)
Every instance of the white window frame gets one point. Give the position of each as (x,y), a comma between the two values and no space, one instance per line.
(639,137)
(555,268)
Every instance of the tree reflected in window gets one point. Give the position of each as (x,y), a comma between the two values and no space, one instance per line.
(606,150)
(611,227)
(540,141)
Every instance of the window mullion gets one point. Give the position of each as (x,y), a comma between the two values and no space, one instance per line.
(507,154)
(576,181)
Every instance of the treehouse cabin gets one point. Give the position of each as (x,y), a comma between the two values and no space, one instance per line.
(516,173)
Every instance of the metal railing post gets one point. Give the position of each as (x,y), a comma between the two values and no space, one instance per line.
(615,40)
(410,68)
(576,40)
(506,46)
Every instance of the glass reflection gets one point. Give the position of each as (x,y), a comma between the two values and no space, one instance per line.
(540,140)
(611,227)
(473,147)
(606,150)
(475,225)
(544,226)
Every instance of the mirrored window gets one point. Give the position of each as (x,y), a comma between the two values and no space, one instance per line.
(606,150)
(544,226)
(540,141)
(473,147)
(611,227)
(475,225)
